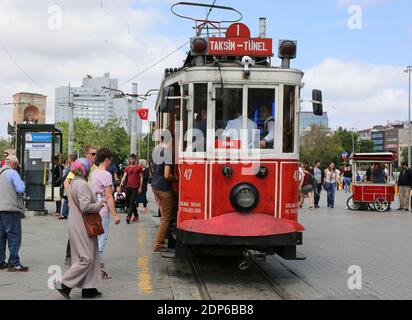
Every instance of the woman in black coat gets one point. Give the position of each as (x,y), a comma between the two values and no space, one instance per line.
(146,177)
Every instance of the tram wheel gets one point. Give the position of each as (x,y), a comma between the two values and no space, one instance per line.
(382,205)
(352,205)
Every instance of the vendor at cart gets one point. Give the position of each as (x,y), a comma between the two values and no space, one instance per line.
(378,174)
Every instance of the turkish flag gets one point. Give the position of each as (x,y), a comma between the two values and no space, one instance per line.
(143,114)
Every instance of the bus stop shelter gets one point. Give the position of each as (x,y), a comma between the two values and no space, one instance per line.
(37,145)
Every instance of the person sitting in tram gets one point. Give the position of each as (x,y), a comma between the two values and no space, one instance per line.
(234,128)
(201,126)
(268,127)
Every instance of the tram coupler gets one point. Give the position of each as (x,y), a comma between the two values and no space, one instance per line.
(251,256)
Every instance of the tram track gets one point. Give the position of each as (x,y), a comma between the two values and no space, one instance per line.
(255,281)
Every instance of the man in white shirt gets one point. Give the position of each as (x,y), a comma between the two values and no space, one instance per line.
(234,130)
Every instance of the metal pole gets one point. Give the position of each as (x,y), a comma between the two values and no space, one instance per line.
(133,139)
(70,146)
(409,70)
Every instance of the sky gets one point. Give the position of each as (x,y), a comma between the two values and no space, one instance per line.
(354,51)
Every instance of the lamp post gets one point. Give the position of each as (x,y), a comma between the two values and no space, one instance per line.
(409,71)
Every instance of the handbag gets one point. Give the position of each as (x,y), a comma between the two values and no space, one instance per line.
(92,222)
(307,189)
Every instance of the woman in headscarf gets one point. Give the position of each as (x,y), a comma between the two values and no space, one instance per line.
(84,272)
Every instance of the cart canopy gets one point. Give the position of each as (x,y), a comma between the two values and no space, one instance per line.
(372,157)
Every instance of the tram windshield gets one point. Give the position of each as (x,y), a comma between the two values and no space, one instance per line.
(261,107)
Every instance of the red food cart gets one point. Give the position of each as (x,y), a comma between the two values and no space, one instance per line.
(376,189)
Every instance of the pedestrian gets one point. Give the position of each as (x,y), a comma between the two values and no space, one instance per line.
(318,175)
(12,188)
(134,175)
(404,185)
(58,181)
(90,153)
(162,179)
(347,179)
(65,201)
(146,178)
(307,187)
(331,180)
(102,186)
(3,161)
(84,272)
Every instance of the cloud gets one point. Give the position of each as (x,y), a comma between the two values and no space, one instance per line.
(359,94)
(117,38)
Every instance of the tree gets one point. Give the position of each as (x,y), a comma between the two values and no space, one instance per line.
(320,144)
(110,135)
(4,145)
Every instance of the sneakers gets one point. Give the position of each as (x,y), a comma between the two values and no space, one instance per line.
(19,268)
(4,266)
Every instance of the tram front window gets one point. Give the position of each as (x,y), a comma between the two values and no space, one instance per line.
(261,108)
(229,120)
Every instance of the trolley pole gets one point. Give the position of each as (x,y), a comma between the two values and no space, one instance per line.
(133,139)
(70,145)
(409,70)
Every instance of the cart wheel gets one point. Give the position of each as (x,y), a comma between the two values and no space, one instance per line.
(352,205)
(382,205)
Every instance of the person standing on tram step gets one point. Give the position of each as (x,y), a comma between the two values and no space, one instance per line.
(318,175)
(146,177)
(307,188)
(90,153)
(84,272)
(331,180)
(101,183)
(11,211)
(162,180)
(404,185)
(134,186)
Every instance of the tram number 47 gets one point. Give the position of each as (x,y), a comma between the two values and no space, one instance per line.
(188,174)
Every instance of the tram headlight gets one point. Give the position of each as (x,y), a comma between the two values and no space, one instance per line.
(199,47)
(244,197)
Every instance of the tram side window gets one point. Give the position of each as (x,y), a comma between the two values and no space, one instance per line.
(261,109)
(185,115)
(229,119)
(200,118)
(289,119)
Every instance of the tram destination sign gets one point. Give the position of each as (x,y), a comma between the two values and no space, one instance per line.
(238,42)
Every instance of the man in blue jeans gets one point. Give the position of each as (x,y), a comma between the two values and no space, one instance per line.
(11,210)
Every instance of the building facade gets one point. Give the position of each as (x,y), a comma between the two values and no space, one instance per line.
(29,108)
(92,102)
(307,119)
(378,138)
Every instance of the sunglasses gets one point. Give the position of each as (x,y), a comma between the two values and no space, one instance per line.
(93,154)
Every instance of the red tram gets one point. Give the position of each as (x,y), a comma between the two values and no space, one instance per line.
(236,142)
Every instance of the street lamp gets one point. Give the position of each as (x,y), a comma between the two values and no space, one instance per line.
(409,71)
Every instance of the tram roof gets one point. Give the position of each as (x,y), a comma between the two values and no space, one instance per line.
(384,156)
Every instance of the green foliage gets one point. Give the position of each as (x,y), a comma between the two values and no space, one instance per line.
(320,144)
(4,145)
(87,132)
(366,146)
